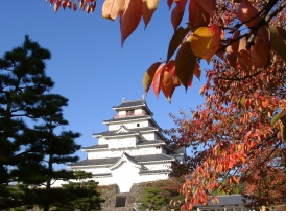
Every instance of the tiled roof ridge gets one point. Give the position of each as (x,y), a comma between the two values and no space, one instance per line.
(133,100)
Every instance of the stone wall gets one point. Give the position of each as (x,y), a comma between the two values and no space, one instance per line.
(108,193)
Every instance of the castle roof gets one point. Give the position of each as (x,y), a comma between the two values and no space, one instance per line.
(151,158)
(132,104)
(133,130)
(235,199)
(140,143)
(128,118)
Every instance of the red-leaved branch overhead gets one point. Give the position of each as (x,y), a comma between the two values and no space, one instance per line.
(238,136)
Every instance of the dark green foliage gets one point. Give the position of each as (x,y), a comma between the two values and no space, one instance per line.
(83,195)
(27,154)
(158,195)
(22,83)
(152,199)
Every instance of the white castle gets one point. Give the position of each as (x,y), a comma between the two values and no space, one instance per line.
(133,150)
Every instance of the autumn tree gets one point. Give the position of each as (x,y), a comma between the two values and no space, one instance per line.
(239,134)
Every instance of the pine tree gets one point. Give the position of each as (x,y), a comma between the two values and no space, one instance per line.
(49,147)
(88,197)
(27,154)
(22,82)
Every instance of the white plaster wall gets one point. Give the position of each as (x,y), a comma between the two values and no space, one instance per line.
(138,111)
(122,113)
(123,142)
(113,127)
(118,152)
(102,141)
(96,170)
(149,136)
(144,123)
(125,175)
(129,125)
(165,166)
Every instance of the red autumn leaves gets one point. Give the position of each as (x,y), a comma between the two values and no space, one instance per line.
(130,13)
(163,76)
(85,5)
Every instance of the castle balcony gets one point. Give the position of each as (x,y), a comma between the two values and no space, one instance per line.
(131,113)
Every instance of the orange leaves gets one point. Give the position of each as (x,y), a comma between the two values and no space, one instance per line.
(247,13)
(112,8)
(149,6)
(167,76)
(198,16)
(260,51)
(130,18)
(148,76)
(157,80)
(57,5)
(130,13)
(209,6)
(162,77)
(85,5)
(205,41)
(177,13)
(233,179)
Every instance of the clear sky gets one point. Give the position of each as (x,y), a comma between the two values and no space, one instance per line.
(90,67)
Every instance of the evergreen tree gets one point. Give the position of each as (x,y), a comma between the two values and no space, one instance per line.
(27,154)
(22,83)
(152,200)
(83,193)
(48,146)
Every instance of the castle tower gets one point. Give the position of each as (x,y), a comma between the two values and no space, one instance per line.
(133,150)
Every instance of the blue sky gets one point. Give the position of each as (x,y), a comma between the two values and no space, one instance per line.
(90,67)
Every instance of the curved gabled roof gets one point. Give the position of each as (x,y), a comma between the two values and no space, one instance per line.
(98,146)
(113,132)
(125,119)
(151,158)
(126,157)
(140,143)
(132,104)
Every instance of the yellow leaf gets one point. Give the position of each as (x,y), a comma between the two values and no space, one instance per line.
(205,41)
(111,9)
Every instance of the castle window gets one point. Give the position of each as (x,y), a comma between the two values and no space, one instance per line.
(130,112)
(138,125)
